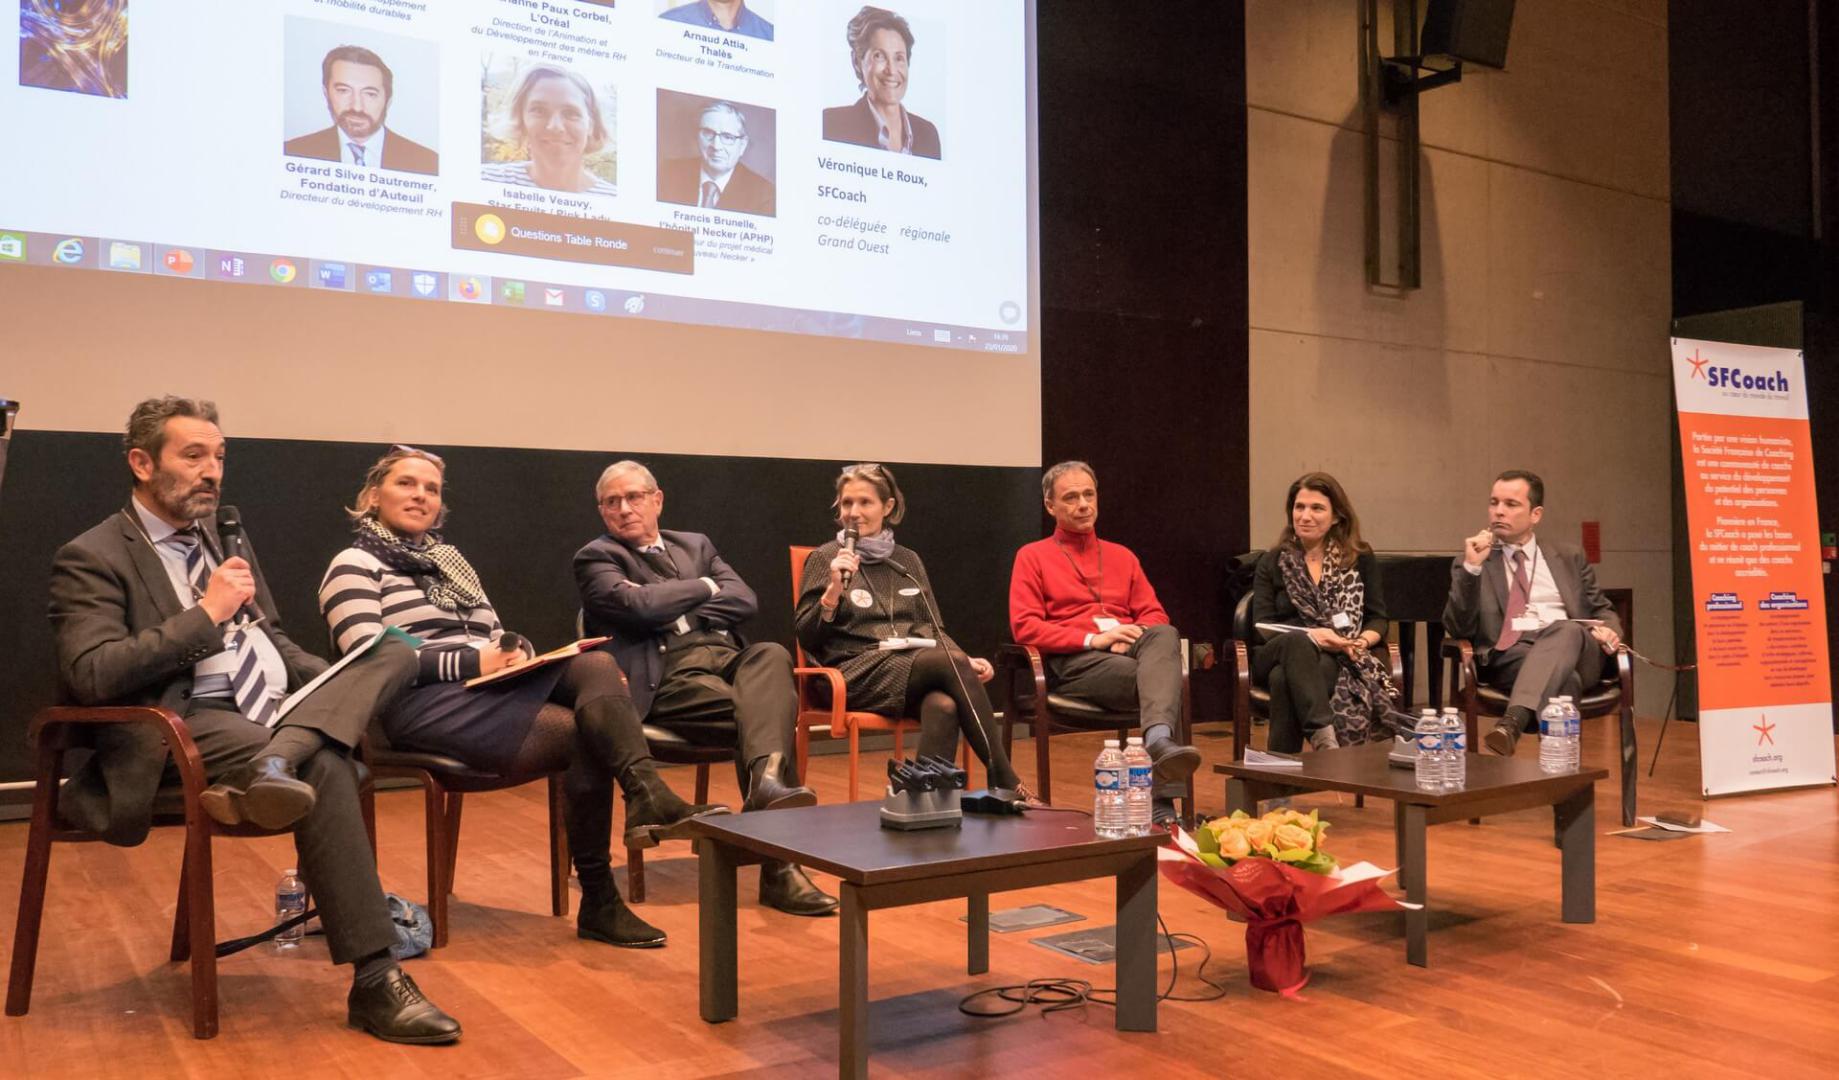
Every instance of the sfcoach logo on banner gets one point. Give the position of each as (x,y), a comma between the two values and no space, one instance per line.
(1765,700)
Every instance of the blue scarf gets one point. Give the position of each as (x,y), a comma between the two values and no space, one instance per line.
(873,549)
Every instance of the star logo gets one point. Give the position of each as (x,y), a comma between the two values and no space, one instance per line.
(1698,364)
(1762,731)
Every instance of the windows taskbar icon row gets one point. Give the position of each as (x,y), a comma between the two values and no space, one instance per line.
(255,268)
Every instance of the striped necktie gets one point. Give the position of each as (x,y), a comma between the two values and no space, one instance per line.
(710,193)
(247,685)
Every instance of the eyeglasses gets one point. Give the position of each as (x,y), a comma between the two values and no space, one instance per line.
(726,138)
(614,502)
(404,448)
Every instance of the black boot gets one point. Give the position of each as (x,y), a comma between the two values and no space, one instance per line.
(613,733)
(772,784)
(785,886)
(605,917)
(1173,762)
(654,813)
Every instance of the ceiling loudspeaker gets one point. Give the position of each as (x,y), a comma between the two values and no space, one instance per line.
(1473,31)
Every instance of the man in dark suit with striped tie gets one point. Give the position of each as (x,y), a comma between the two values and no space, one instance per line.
(674,607)
(1517,600)
(147,609)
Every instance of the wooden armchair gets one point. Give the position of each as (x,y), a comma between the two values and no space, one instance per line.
(1252,701)
(823,702)
(1614,693)
(1022,681)
(52,733)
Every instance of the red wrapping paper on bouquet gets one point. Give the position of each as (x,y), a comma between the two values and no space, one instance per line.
(1275,899)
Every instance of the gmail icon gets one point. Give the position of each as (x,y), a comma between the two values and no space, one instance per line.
(554,297)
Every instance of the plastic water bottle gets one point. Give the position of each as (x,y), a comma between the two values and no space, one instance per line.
(1455,751)
(1554,755)
(1429,733)
(1573,733)
(290,900)
(1108,780)
(1139,796)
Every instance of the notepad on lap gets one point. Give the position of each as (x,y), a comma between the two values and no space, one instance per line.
(572,649)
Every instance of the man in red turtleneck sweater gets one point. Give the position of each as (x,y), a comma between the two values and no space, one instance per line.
(1103,636)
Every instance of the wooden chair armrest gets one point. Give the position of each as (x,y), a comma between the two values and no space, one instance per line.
(1025,660)
(1395,666)
(47,724)
(839,695)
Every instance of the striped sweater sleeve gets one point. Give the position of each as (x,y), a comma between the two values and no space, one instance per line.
(351,597)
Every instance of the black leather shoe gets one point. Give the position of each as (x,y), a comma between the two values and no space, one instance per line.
(264,792)
(785,886)
(609,920)
(767,788)
(393,1010)
(1503,738)
(1174,763)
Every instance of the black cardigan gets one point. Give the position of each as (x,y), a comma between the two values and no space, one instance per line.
(1271,601)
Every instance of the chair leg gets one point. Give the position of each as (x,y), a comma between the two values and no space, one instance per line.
(702,782)
(1359,800)
(801,742)
(202,914)
(32,885)
(1043,771)
(434,800)
(181,915)
(558,847)
(855,758)
(1631,767)
(456,802)
(635,875)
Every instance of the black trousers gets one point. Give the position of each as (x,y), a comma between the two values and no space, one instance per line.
(706,684)
(1146,680)
(334,851)
(1301,679)
(1561,659)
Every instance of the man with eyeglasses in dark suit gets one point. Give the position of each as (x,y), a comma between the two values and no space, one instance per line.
(715,179)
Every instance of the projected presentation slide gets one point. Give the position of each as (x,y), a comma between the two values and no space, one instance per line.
(808,166)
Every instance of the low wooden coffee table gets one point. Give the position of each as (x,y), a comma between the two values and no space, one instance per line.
(884,868)
(1496,785)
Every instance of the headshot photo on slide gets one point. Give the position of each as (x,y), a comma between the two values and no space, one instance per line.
(548,126)
(717,154)
(749,18)
(360,97)
(877,59)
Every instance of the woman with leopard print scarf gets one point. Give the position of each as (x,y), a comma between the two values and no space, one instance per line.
(1326,685)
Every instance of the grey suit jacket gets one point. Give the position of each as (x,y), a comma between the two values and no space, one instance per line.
(1477,607)
(123,638)
(625,599)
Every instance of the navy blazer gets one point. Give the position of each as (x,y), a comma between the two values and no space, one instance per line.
(623,598)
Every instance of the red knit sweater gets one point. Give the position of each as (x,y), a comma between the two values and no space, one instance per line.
(1051,604)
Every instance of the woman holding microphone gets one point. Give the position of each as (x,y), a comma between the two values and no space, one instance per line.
(860,610)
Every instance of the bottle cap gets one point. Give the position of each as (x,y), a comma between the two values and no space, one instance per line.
(1134,740)
(1111,744)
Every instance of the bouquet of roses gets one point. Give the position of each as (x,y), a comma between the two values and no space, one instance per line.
(1272,872)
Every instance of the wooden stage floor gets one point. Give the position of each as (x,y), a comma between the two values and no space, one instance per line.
(1711,956)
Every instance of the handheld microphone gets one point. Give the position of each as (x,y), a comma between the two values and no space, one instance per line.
(850,536)
(230,529)
(235,544)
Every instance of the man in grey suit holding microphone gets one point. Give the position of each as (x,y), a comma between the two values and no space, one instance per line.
(1519,601)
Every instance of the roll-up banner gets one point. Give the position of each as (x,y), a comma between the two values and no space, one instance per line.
(1765,699)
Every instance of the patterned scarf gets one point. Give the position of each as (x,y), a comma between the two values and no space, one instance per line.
(1363,693)
(873,549)
(438,567)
